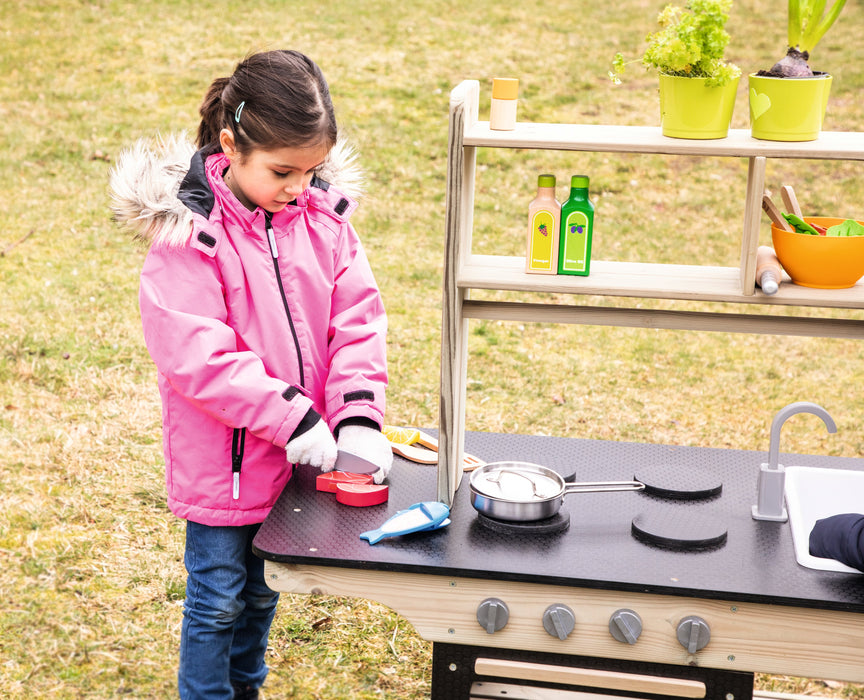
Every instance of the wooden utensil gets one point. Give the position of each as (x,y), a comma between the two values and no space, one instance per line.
(790,200)
(774,213)
(405,441)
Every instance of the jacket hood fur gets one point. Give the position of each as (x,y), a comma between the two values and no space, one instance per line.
(146,178)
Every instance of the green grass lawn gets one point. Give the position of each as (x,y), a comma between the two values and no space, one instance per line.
(91,573)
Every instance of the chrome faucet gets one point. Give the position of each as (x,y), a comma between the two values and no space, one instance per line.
(772,476)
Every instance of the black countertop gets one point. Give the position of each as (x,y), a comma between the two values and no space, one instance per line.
(756,563)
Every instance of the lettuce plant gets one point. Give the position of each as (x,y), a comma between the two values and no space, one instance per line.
(690,43)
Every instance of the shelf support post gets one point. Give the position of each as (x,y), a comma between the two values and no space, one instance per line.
(461,161)
(752,217)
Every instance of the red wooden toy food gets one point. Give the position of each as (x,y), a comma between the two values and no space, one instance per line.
(362,494)
(329,481)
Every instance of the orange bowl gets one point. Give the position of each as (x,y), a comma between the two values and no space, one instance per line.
(824,262)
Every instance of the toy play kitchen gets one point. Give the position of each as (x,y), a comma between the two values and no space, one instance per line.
(684,587)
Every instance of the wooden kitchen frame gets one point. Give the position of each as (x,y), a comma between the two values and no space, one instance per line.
(781,619)
(745,636)
(464,271)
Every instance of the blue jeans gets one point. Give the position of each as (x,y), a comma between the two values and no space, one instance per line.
(227,613)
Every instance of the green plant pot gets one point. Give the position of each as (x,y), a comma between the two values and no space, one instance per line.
(788,109)
(690,110)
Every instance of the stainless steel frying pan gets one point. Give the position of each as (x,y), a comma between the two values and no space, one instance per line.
(521,491)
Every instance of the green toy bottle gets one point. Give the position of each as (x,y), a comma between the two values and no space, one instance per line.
(577,228)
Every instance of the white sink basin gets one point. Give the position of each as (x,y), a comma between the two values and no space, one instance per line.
(812,494)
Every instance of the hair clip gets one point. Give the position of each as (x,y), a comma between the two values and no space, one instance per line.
(239,111)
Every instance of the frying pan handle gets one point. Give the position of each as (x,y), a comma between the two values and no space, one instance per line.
(596,486)
(516,472)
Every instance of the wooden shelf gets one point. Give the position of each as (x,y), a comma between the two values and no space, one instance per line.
(646,280)
(836,145)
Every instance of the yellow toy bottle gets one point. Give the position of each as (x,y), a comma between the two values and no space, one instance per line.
(544,216)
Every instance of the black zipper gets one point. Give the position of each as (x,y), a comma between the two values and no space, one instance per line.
(271,239)
(238,445)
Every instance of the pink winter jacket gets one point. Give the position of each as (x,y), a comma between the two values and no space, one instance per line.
(247,338)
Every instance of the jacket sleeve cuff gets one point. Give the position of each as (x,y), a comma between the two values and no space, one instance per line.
(366,404)
(300,417)
(839,537)
(356,420)
(306,423)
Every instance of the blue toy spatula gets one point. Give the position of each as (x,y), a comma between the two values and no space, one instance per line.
(428,515)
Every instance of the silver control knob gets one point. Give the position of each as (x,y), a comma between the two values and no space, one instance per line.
(625,625)
(493,614)
(559,621)
(693,633)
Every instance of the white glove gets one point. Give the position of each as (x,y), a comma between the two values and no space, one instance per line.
(315,447)
(370,444)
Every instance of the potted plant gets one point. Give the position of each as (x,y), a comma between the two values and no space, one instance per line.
(787,103)
(697,85)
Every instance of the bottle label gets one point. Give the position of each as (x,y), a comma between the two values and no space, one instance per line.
(542,238)
(576,236)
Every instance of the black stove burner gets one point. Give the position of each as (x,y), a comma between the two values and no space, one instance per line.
(684,531)
(557,523)
(679,484)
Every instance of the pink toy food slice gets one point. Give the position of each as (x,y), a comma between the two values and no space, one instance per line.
(362,494)
(329,481)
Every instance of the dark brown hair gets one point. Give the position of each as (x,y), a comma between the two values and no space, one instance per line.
(274,99)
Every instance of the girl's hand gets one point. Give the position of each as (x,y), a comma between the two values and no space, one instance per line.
(315,447)
(370,444)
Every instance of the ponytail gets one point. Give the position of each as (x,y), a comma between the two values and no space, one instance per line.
(274,99)
(211,114)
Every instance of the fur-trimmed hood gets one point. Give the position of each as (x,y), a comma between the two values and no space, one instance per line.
(146,178)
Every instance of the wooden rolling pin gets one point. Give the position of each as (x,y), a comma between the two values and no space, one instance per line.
(768,270)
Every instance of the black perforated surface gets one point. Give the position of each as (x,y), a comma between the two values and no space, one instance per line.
(756,564)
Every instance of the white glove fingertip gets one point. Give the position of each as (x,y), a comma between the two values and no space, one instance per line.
(384,472)
(328,458)
(295,450)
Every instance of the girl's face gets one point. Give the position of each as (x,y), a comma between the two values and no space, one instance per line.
(270,179)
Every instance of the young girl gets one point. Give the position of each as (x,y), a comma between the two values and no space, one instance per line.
(268,333)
